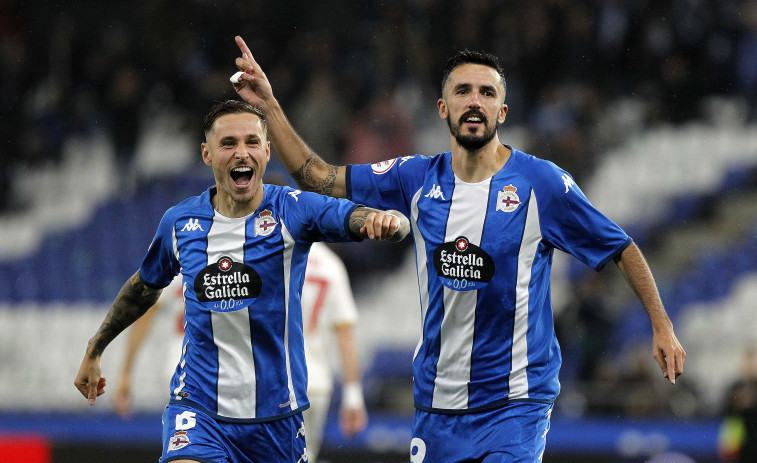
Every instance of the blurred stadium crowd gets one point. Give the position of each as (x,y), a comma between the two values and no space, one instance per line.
(360,81)
(360,78)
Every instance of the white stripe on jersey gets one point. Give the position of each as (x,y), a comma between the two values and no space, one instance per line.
(175,244)
(420,259)
(183,363)
(231,330)
(528,245)
(288,249)
(467,215)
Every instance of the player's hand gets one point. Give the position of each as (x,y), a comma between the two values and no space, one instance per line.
(380,225)
(391,226)
(668,353)
(253,85)
(89,380)
(122,397)
(352,420)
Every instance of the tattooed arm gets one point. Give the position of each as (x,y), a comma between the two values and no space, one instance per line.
(132,302)
(308,169)
(374,224)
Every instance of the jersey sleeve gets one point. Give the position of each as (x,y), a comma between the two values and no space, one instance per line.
(570,222)
(160,265)
(387,184)
(319,218)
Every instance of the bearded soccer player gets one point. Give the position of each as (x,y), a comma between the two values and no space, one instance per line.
(486,219)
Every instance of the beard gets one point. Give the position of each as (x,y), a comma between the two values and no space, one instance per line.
(472,141)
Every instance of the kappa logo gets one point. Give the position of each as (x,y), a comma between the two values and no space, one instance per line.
(507,199)
(567,181)
(265,224)
(192,225)
(294,194)
(301,431)
(404,159)
(435,192)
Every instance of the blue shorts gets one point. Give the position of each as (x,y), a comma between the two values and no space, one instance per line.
(515,433)
(190,434)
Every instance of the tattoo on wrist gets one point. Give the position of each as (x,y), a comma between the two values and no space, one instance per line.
(357,219)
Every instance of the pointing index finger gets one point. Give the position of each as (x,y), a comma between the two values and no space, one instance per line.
(243,48)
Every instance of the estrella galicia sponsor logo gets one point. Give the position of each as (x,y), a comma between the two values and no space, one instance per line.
(227,284)
(463,266)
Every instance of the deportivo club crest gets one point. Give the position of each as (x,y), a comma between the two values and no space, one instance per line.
(178,441)
(507,199)
(265,224)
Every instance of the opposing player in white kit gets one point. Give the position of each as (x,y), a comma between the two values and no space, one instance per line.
(486,219)
(329,316)
(241,249)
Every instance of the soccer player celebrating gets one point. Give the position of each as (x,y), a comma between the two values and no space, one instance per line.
(486,219)
(241,248)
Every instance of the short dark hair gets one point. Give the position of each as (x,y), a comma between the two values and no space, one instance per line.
(472,57)
(231,107)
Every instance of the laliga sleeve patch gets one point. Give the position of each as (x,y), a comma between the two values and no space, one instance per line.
(383,166)
(463,266)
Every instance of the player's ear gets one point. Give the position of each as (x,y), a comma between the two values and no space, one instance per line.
(443,111)
(205,154)
(502,114)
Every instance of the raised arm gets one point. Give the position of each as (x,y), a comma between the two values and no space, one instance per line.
(667,351)
(132,302)
(308,169)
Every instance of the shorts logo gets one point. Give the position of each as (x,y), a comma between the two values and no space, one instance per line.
(178,441)
(265,224)
(463,266)
(383,166)
(507,199)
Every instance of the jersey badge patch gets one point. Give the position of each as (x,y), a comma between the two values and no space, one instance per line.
(507,199)
(265,224)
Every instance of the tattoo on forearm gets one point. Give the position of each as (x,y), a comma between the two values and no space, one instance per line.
(307,180)
(132,302)
(357,219)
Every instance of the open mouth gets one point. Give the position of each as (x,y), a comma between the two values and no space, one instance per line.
(473,118)
(241,176)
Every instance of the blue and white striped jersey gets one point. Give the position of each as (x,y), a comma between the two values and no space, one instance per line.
(484,255)
(243,357)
